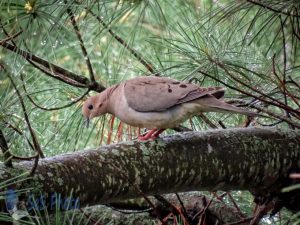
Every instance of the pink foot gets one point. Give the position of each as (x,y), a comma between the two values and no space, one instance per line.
(147,136)
(152,134)
(157,133)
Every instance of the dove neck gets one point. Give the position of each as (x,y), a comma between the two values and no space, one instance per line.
(112,99)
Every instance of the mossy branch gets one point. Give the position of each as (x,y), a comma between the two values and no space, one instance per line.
(254,159)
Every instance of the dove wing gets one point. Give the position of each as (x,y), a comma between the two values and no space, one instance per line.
(149,93)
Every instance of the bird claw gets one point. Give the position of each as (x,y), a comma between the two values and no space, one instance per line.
(143,138)
(150,135)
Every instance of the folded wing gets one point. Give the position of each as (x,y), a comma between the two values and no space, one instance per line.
(154,94)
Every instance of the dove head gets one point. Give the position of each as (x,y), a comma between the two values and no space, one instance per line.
(95,106)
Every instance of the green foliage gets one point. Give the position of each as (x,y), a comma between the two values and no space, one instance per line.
(251,48)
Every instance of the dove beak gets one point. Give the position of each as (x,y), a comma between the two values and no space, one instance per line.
(87,122)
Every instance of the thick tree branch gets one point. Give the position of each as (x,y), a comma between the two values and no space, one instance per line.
(246,159)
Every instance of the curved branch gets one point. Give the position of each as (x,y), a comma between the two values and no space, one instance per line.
(54,108)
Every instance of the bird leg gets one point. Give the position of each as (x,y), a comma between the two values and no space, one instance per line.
(151,134)
(157,133)
(148,135)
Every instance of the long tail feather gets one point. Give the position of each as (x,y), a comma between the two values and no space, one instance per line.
(214,104)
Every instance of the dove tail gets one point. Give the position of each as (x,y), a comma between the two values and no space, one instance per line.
(216,105)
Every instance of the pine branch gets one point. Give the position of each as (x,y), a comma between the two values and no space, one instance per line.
(55,71)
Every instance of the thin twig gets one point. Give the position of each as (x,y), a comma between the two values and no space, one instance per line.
(263,109)
(284,49)
(207,121)
(283,85)
(249,94)
(29,158)
(235,205)
(284,67)
(183,207)
(126,177)
(295,27)
(294,82)
(83,49)
(4,147)
(272,9)
(222,124)
(137,55)
(89,217)
(9,38)
(245,220)
(54,108)
(204,209)
(20,133)
(168,204)
(36,144)
(35,165)
(275,101)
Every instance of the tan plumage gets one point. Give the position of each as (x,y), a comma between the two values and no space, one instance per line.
(157,102)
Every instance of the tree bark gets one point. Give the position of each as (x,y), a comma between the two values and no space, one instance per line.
(254,159)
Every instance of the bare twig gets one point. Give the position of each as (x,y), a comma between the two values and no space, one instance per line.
(137,188)
(262,210)
(282,23)
(36,144)
(294,82)
(89,217)
(168,204)
(204,209)
(83,49)
(35,165)
(280,105)
(54,108)
(9,38)
(263,109)
(274,100)
(4,147)
(235,205)
(222,124)
(272,9)
(137,55)
(295,26)
(245,220)
(283,85)
(20,133)
(207,121)
(183,207)
(29,158)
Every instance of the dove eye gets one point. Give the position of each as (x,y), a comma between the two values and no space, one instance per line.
(90,107)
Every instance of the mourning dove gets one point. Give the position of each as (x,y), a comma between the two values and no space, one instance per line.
(157,103)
